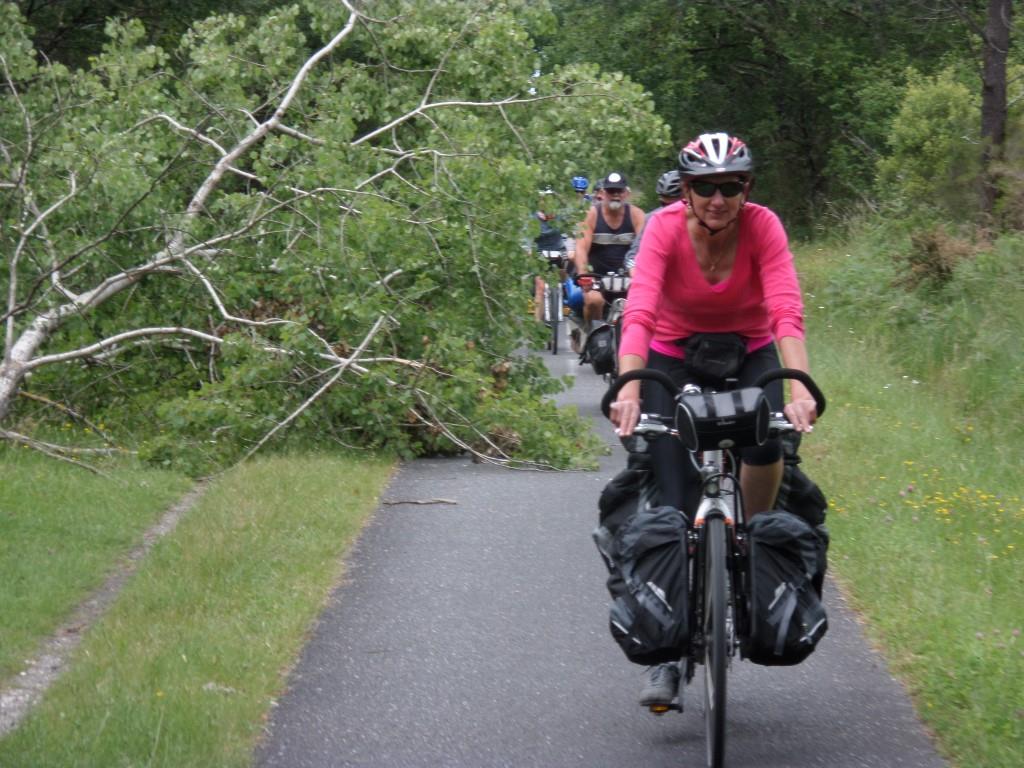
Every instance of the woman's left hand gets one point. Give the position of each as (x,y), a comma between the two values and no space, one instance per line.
(802,414)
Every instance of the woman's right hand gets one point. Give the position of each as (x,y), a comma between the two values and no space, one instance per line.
(625,411)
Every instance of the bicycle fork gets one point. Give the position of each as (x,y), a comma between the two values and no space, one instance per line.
(714,503)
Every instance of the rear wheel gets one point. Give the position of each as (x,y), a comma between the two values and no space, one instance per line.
(715,639)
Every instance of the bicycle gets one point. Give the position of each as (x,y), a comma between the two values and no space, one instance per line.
(614,287)
(551,295)
(711,424)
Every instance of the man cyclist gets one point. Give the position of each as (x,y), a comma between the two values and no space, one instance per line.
(669,190)
(608,230)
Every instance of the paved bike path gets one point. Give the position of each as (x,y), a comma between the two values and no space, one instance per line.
(475,634)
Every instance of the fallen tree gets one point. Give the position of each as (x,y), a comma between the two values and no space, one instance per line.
(305,225)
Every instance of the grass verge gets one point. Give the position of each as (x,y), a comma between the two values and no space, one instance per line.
(183,669)
(61,531)
(927,520)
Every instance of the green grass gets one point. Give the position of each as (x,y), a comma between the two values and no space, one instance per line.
(61,532)
(183,669)
(927,520)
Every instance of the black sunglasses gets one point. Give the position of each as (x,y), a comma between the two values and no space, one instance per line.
(708,188)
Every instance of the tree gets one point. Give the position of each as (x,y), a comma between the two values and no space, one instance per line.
(996,41)
(304,224)
(814,105)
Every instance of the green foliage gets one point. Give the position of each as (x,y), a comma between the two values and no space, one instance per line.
(316,233)
(70,31)
(934,150)
(919,455)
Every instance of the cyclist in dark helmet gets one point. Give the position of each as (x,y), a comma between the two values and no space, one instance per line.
(669,187)
(669,190)
(714,264)
(549,237)
(608,230)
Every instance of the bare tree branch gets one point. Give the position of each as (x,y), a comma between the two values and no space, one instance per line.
(111,342)
(59,452)
(422,109)
(327,385)
(299,135)
(198,202)
(220,305)
(198,137)
(71,412)
(12,288)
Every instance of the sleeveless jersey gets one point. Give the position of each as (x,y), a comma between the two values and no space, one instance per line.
(608,246)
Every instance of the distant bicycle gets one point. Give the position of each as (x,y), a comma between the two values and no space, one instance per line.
(710,424)
(552,294)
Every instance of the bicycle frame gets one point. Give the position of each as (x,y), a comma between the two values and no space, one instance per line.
(720,498)
(713,472)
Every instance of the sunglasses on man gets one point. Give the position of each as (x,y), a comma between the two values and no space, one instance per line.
(708,188)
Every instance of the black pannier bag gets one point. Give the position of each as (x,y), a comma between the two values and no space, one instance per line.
(798,493)
(787,565)
(600,349)
(647,579)
(621,495)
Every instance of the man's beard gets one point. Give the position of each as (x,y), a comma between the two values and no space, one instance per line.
(614,205)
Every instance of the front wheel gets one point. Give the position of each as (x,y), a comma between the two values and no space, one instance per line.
(715,639)
(554,315)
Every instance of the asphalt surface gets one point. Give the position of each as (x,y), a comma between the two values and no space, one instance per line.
(475,634)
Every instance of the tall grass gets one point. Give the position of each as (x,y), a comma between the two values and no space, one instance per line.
(918,455)
(945,310)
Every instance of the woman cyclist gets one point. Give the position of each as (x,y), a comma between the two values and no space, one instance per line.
(712,263)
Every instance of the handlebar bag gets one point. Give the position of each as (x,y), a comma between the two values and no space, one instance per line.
(615,286)
(708,421)
(713,357)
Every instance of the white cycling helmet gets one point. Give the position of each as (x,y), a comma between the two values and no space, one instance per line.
(714,153)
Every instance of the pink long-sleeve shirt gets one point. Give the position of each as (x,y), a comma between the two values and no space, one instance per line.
(669,298)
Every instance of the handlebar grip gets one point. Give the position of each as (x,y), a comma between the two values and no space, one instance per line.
(801,376)
(647,374)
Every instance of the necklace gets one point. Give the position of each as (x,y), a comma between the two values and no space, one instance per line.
(711,265)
